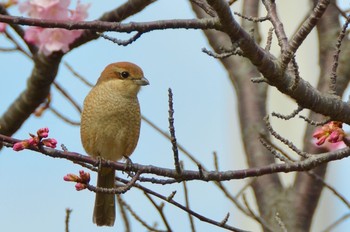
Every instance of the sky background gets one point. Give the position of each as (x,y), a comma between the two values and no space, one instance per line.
(34,196)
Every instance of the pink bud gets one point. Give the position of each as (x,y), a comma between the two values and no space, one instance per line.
(80,186)
(19,146)
(84,176)
(43,132)
(49,142)
(33,141)
(71,177)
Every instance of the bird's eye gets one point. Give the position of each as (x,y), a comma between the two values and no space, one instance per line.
(124,74)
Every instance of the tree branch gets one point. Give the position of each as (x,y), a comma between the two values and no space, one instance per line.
(102,26)
(303,165)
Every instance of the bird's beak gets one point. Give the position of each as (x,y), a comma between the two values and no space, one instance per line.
(142,81)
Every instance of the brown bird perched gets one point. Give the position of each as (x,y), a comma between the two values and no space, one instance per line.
(110,127)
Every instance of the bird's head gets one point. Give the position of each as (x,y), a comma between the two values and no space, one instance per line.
(126,76)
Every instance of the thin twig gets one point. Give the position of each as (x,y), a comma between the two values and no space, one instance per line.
(119,41)
(17,45)
(8,49)
(138,218)
(273,151)
(336,223)
(259,80)
(331,188)
(248,184)
(64,118)
(223,55)
(269,39)
(77,75)
(333,77)
(255,216)
(67,96)
(204,6)
(315,123)
(275,146)
(68,212)
(283,140)
(119,190)
(160,210)
(252,19)
(187,203)
(166,135)
(172,132)
(123,213)
(197,215)
(287,117)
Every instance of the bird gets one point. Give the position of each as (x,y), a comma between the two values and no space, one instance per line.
(110,127)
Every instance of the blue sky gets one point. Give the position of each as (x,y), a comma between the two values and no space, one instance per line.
(34,195)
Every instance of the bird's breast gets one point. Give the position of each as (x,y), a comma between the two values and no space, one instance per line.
(110,124)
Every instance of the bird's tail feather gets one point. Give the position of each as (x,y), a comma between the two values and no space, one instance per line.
(104,210)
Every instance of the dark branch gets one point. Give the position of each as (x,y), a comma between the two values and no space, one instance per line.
(303,165)
(102,26)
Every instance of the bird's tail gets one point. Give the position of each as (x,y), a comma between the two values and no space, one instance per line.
(104,210)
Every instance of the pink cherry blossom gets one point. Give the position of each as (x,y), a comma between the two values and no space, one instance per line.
(32,35)
(330,146)
(56,39)
(46,9)
(80,13)
(330,136)
(331,131)
(51,40)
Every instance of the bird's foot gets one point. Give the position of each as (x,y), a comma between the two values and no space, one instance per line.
(99,162)
(128,163)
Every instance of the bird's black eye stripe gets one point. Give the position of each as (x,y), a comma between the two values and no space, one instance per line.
(124,74)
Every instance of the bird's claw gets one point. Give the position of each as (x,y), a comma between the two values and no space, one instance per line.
(128,163)
(99,162)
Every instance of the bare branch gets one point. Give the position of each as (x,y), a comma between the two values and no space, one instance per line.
(302,165)
(333,81)
(172,132)
(102,26)
(68,212)
(77,75)
(121,42)
(277,24)
(287,117)
(303,32)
